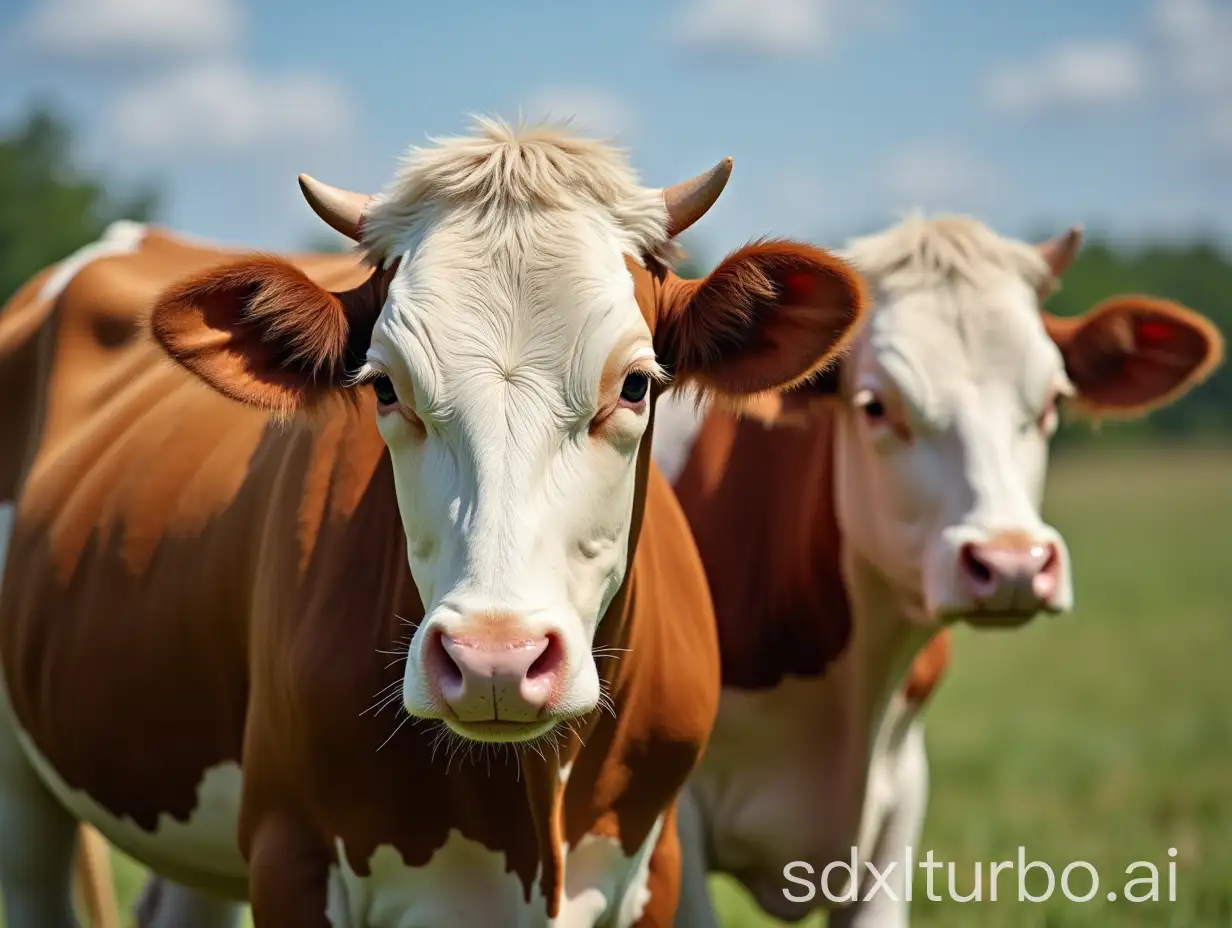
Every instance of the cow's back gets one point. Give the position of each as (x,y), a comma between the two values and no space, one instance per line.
(137,533)
(25,329)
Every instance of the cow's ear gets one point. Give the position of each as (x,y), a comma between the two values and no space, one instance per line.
(797,406)
(1132,354)
(769,316)
(261,332)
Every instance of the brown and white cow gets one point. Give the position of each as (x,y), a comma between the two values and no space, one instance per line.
(333,496)
(848,522)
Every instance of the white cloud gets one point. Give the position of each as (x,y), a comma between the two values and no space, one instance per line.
(588,109)
(108,32)
(1197,40)
(1077,74)
(773,28)
(1219,131)
(1183,55)
(938,174)
(220,107)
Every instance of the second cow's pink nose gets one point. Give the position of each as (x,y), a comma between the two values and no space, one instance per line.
(1011,573)
(495,679)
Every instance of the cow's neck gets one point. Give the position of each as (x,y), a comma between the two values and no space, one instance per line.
(750,494)
(792,600)
(885,616)
(884,639)
(344,508)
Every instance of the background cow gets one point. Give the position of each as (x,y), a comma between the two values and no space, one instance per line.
(208,567)
(844,523)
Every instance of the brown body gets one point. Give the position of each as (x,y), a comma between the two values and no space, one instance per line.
(191,584)
(761,503)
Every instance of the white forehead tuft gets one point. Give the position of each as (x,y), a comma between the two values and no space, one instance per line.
(922,253)
(956,304)
(500,175)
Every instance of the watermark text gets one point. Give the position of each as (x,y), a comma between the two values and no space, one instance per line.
(846,881)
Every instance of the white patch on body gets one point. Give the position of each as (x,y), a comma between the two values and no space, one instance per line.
(205,844)
(779,781)
(465,883)
(678,419)
(120,238)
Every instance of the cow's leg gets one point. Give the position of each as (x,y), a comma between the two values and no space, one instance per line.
(164,904)
(695,909)
(653,904)
(95,886)
(37,834)
(288,877)
(37,840)
(903,826)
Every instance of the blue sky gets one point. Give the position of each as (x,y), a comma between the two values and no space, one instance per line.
(839,113)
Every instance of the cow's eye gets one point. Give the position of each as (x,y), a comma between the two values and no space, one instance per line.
(634,389)
(870,405)
(383,387)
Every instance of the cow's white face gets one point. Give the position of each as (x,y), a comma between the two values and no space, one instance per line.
(949,403)
(513,391)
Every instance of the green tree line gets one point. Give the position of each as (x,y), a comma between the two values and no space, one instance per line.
(50,206)
(1197,275)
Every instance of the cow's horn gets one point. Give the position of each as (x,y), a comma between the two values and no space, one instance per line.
(341,209)
(688,201)
(1060,250)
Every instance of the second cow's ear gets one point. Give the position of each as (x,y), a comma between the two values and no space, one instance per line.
(1132,354)
(766,318)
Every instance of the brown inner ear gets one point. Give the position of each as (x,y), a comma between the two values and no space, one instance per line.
(262,332)
(797,406)
(1132,355)
(765,318)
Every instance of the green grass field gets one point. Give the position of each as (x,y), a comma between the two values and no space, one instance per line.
(1105,736)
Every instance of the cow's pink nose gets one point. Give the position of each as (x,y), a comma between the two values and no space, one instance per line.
(485,678)
(1011,573)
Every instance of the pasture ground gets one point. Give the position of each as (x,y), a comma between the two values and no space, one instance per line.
(1105,736)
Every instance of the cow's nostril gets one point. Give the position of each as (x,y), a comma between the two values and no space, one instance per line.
(975,566)
(549,661)
(1051,560)
(448,673)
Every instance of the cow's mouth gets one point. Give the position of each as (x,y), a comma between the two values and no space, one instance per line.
(498,731)
(980,617)
(999,618)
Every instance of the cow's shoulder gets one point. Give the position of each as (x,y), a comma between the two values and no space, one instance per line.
(761,504)
(673,640)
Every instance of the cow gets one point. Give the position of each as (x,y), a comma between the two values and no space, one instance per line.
(301,504)
(847,525)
